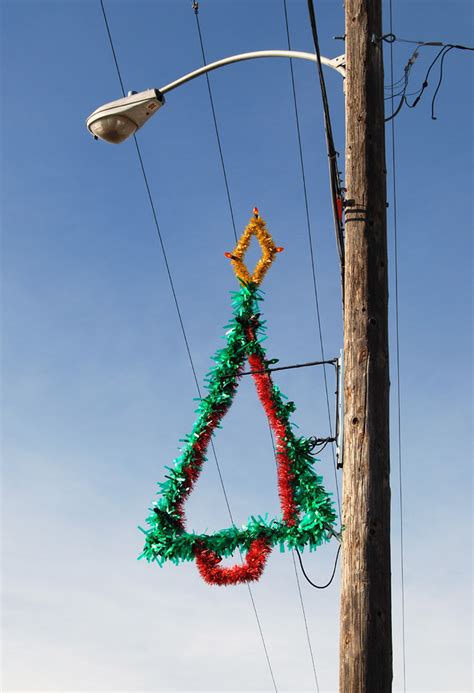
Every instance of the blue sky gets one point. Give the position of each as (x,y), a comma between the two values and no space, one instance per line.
(96,385)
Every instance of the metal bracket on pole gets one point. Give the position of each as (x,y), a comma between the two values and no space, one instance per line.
(338,63)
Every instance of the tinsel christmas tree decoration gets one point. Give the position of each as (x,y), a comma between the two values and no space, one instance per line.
(307,513)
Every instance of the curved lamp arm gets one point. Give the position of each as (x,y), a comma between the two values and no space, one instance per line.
(116,121)
(337,64)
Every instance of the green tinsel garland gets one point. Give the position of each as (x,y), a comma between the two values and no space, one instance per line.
(167,539)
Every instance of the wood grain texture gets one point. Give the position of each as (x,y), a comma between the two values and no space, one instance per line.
(365,639)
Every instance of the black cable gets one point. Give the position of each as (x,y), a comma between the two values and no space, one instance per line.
(399,93)
(336,189)
(332,362)
(231,210)
(319,587)
(444,50)
(402,94)
(388,87)
(332,159)
(112,47)
(170,278)
(425,81)
(433,117)
(318,452)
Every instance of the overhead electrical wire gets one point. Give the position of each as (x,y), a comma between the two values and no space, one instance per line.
(300,594)
(397,339)
(170,278)
(311,250)
(195,7)
(391,38)
(305,621)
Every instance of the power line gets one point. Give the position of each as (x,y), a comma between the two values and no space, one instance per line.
(195,7)
(303,610)
(229,200)
(397,334)
(311,251)
(152,206)
(170,278)
(391,38)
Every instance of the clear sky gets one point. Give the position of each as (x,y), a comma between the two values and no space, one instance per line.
(97,388)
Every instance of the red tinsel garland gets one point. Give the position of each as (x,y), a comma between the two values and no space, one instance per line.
(208,564)
(193,470)
(263,384)
(208,561)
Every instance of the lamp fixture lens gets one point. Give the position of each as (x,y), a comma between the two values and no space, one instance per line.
(113,128)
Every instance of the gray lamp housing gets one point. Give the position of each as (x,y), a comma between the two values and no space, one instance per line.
(116,121)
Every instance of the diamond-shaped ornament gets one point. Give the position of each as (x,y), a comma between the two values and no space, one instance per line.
(257,228)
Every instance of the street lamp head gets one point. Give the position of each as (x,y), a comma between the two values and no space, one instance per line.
(116,121)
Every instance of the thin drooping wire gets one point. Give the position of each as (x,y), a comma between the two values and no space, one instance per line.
(178,311)
(170,278)
(320,450)
(397,335)
(320,587)
(335,182)
(433,117)
(224,172)
(311,252)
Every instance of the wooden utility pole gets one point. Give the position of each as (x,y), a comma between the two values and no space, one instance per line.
(365,639)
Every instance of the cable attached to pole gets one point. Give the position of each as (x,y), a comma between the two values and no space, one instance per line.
(335,182)
(319,587)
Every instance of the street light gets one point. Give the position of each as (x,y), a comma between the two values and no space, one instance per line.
(116,121)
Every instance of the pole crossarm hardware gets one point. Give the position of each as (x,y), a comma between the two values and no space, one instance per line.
(114,122)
